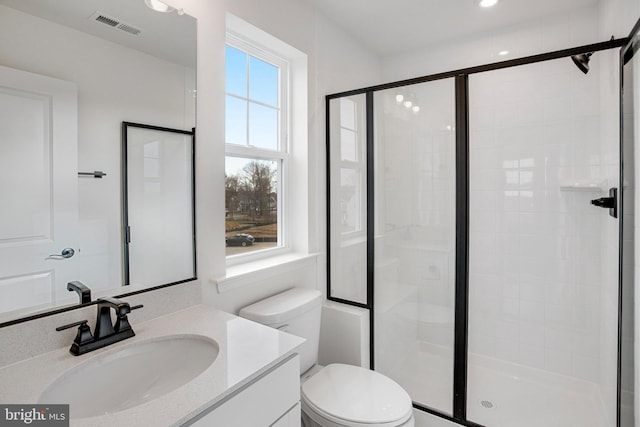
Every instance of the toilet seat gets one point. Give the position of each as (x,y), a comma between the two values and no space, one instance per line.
(352,396)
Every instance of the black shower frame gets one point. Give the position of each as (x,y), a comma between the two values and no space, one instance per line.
(126,230)
(461,77)
(627,52)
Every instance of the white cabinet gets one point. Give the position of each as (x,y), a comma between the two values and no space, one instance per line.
(272,399)
(290,419)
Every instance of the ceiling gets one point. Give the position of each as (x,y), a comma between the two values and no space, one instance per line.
(165,35)
(388,27)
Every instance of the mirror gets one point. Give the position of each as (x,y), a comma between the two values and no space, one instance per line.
(71,72)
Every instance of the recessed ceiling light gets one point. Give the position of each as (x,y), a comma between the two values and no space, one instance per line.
(158,6)
(487,3)
(503,52)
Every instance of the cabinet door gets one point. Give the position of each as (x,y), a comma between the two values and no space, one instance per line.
(259,404)
(290,419)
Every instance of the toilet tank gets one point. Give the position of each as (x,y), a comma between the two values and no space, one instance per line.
(296,311)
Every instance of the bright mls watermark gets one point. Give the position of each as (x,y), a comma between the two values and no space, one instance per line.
(34,415)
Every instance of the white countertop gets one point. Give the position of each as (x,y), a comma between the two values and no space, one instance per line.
(247,350)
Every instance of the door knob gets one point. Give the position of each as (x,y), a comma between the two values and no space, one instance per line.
(66,253)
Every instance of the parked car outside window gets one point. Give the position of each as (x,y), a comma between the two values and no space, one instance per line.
(242,239)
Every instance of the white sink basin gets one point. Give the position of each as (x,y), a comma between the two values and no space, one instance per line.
(131,375)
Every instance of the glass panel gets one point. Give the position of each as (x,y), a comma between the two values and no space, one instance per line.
(414,274)
(236,72)
(263,127)
(348,236)
(263,85)
(347,113)
(542,260)
(350,200)
(349,145)
(631,139)
(251,204)
(160,206)
(235,121)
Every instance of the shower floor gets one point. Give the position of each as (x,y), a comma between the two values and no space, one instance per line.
(501,394)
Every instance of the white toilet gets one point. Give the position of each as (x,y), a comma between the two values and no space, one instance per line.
(336,395)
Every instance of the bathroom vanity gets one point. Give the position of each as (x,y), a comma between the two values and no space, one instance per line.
(249,362)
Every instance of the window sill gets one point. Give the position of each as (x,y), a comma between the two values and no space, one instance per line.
(247,273)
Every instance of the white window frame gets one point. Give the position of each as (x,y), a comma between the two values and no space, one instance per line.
(280,155)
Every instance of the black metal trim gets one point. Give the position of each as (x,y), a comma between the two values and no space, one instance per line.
(126,231)
(44,314)
(155,288)
(632,45)
(193,201)
(462,250)
(444,416)
(488,67)
(125,202)
(620,245)
(327,138)
(627,52)
(348,302)
(370,223)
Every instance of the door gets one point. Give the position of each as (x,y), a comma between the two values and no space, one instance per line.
(38,189)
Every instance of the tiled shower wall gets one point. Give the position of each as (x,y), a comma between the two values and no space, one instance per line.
(535,240)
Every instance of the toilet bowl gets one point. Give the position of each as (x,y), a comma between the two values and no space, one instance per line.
(336,395)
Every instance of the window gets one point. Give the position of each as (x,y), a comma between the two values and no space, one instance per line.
(352,166)
(256,148)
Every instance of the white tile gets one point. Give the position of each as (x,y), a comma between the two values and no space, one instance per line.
(586,367)
(557,338)
(506,350)
(558,361)
(532,311)
(531,355)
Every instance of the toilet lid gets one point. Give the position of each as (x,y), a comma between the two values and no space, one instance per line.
(356,394)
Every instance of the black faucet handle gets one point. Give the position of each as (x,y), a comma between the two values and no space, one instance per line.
(83,291)
(82,337)
(71,325)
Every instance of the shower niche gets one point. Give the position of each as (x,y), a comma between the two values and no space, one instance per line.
(491,278)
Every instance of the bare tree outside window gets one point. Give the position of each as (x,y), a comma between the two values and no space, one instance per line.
(251,205)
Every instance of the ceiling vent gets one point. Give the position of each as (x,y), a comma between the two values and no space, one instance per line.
(114,23)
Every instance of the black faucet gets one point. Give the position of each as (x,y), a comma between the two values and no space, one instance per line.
(83,291)
(105,332)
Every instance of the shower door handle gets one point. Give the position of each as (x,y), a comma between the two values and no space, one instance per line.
(604,202)
(610,202)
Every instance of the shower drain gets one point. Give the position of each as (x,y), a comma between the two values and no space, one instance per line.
(487,404)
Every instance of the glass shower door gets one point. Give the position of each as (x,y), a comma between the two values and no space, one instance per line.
(542,259)
(414,267)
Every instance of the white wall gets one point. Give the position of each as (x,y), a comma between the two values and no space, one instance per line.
(560,31)
(115,84)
